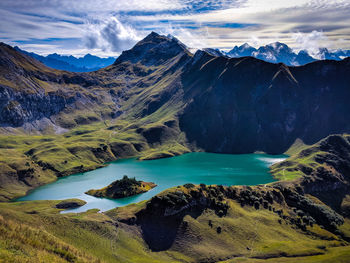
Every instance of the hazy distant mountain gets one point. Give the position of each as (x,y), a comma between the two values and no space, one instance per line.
(325,54)
(71,63)
(242,51)
(278,52)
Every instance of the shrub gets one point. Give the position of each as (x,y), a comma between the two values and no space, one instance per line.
(188,186)
(221,213)
(256,205)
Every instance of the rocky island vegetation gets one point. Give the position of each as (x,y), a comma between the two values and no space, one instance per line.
(123,188)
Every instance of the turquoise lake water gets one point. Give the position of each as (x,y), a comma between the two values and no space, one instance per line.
(196,168)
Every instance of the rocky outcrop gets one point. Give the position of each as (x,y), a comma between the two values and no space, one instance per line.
(17,108)
(123,188)
(70,203)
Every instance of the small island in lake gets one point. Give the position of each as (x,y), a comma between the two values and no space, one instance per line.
(122,188)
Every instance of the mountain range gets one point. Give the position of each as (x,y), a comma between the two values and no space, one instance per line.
(275,53)
(159,100)
(280,53)
(246,96)
(71,63)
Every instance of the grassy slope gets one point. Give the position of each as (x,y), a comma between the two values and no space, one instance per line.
(35,232)
(303,157)
(80,149)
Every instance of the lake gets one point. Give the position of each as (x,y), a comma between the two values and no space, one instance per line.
(196,168)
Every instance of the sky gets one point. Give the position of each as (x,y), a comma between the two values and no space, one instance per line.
(107,27)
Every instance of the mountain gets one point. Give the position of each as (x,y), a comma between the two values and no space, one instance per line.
(246,104)
(214,51)
(244,50)
(342,53)
(325,54)
(159,100)
(71,63)
(153,50)
(303,58)
(280,53)
(246,96)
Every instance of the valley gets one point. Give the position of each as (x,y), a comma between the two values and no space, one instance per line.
(156,101)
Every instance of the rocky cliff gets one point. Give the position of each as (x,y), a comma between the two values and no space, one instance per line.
(246,105)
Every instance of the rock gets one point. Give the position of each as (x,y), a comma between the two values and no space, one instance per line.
(70,203)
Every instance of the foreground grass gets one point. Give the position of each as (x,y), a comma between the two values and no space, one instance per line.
(35,231)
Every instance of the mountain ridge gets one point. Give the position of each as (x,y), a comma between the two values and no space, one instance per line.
(86,63)
(272,53)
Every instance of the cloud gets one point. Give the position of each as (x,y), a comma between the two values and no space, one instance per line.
(312,42)
(192,39)
(110,35)
(101,26)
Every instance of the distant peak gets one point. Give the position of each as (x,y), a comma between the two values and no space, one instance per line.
(246,45)
(88,55)
(152,35)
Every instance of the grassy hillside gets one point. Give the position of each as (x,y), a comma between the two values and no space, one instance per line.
(35,232)
(29,161)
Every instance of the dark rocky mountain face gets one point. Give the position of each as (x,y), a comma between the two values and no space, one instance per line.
(245,105)
(153,50)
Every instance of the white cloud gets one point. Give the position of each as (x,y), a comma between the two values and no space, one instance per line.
(312,42)
(110,35)
(85,20)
